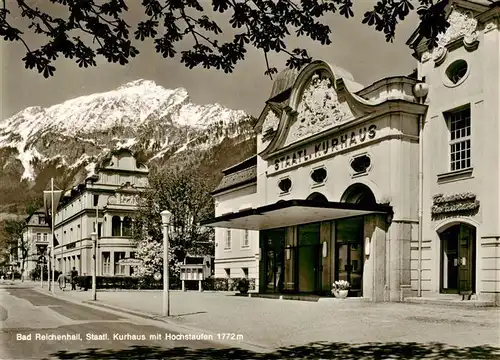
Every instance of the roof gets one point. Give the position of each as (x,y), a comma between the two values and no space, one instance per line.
(238,178)
(252,160)
(284,81)
(292,212)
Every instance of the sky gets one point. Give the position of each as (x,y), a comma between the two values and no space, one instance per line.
(355,47)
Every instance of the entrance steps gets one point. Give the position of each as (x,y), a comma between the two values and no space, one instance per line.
(450,300)
(300,297)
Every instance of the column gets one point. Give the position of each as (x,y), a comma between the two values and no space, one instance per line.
(112,261)
(374,271)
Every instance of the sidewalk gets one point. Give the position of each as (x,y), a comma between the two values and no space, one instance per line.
(279,323)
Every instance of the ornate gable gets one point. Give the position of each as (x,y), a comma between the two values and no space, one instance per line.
(319,108)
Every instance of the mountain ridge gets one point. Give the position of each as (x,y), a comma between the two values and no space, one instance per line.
(163,126)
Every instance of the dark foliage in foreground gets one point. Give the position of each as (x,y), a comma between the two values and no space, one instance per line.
(319,350)
(94,28)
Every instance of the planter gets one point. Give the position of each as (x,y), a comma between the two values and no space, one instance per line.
(341,294)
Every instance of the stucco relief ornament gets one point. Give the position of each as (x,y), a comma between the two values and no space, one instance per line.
(426,56)
(462,24)
(127,199)
(271,123)
(318,109)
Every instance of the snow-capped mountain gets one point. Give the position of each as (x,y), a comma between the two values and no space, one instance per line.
(70,137)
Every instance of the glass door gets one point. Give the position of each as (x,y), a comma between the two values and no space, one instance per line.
(349,251)
(457,259)
(275,246)
(309,258)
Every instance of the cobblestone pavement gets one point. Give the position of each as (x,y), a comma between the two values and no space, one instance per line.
(278,323)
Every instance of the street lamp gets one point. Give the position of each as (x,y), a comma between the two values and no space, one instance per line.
(165,220)
(93,236)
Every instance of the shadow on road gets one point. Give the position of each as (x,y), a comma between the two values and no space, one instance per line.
(396,350)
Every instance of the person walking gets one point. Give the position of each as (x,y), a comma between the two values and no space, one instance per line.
(74,275)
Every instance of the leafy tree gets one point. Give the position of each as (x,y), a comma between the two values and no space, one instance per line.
(19,245)
(186,195)
(12,240)
(262,24)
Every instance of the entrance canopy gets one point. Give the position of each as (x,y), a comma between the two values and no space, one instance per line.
(292,212)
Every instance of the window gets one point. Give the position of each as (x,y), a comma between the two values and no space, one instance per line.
(127,226)
(456,71)
(106,261)
(119,269)
(285,185)
(41,220)
(246,239)
(460,139)
(228,273)
(38,237)
(319,175)
(227,240)
(45,238)
(245,272)
(116,226)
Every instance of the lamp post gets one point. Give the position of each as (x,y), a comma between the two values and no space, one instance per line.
(165,219)
(93,236)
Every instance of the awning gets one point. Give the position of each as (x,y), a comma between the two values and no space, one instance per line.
(292,212)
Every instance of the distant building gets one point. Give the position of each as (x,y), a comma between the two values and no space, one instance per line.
(394,187)
(36,238)
(110,197)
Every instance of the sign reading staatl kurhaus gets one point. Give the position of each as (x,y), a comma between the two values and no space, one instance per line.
(323,148)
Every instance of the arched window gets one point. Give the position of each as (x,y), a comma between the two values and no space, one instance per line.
(318,197)
(127,226)
(359,194)
(116,226)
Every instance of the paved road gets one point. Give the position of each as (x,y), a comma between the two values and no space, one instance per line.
(32,321)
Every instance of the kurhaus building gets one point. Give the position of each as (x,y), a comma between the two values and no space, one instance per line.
(109,197)
(393,187)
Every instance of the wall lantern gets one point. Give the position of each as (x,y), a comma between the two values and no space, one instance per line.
(367,246)
(325,249)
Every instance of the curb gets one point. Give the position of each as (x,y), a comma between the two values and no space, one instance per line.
(173,326)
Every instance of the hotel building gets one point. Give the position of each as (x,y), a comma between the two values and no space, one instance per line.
(108,198)
(394,187)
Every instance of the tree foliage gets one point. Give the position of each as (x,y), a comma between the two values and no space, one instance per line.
(11,235)
(262,24)
(186,195)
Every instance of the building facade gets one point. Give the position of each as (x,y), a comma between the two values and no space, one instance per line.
(36,240)
(393,187)
(108,198)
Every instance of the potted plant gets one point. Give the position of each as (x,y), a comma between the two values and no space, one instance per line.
(243,286)
(340,288)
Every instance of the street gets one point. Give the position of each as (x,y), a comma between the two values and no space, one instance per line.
(36,325)
(32,322)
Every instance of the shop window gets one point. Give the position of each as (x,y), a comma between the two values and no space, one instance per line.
(459,125)
(285,185)
(245,272)
(246,239)
(119,269)
(227,240)
(106,262)
(228,273)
